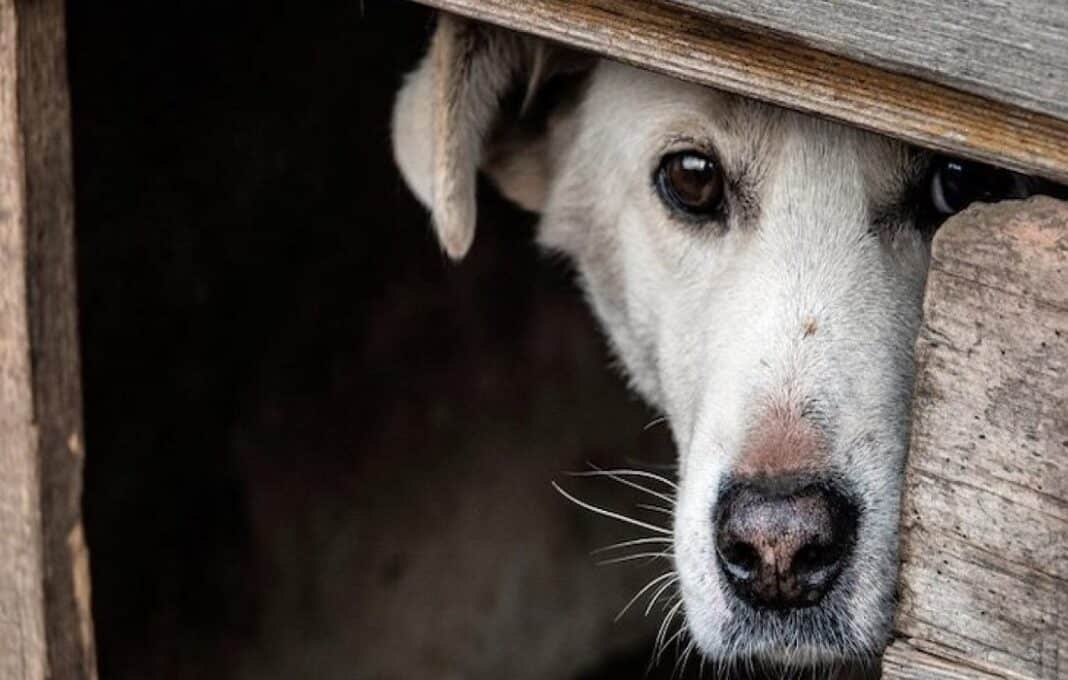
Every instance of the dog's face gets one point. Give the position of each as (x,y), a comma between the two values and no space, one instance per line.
(758,272)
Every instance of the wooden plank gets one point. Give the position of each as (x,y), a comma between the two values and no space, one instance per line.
(44,109)
(984,575)
(689,45)
(903,661)
(1015,52)
(22,628)
(45,622)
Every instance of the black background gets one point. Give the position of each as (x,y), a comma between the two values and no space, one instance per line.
(260,298)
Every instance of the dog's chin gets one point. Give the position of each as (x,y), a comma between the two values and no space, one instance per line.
(806,665)
(778,659)
(775,659)
(820,641)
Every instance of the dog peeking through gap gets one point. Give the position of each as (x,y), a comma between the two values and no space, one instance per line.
(759,274)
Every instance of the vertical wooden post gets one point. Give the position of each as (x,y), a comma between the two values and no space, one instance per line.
(984,520)
(45,622)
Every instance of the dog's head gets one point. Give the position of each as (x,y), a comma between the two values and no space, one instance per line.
(758,272)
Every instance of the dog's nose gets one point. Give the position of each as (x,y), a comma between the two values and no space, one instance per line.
(782,543)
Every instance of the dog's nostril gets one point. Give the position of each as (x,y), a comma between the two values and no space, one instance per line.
(740,559)
(816,563)
(781,544)
(816,556)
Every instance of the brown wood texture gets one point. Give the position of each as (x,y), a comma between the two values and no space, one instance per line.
(45,621)
(903,661)
(22,628)
(688,44)
(984,575)
(1015,52)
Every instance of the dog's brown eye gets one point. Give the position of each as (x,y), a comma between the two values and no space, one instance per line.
(691,182)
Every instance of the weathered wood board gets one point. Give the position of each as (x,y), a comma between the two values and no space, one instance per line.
(45,622)
(1014,52)
(784,70)
(984,576)
(22,628)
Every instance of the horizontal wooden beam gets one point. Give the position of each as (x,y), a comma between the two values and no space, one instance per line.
(690,45)
(1013,52)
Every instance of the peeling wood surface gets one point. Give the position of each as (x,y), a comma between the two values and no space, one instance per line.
(689,44)
(984,577)
(45,620)
(1015,52)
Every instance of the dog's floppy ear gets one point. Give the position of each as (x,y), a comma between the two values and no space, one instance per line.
(461,110)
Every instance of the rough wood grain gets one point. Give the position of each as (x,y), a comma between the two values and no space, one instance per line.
(903,661)
(1014,52)
(690,45)
(984,577)
(45,621)
(22,628)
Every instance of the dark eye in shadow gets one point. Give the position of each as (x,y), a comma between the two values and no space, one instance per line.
(952,184)
(955,184)
(691,182)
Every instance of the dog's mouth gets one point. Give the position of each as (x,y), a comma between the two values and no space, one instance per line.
(821,641)
(800,638)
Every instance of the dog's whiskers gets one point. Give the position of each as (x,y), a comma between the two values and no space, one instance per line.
(620,476)
(637,556)
(673,638)
(671,575)
(661,634)
(680,663)
(654,422)
(631,472)
(628,544)
(613,515)
(658,593)
(661,584)
(677,639)
(655,508)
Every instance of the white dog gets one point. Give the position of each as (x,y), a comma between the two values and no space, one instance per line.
(758,272)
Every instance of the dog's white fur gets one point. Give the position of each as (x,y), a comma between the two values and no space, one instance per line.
(809,292)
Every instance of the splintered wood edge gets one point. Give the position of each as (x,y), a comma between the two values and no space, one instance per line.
(690,45)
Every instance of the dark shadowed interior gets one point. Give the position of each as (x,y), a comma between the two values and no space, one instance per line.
(315,447)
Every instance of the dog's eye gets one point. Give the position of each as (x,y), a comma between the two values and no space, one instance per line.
(691,182)
(955,184)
